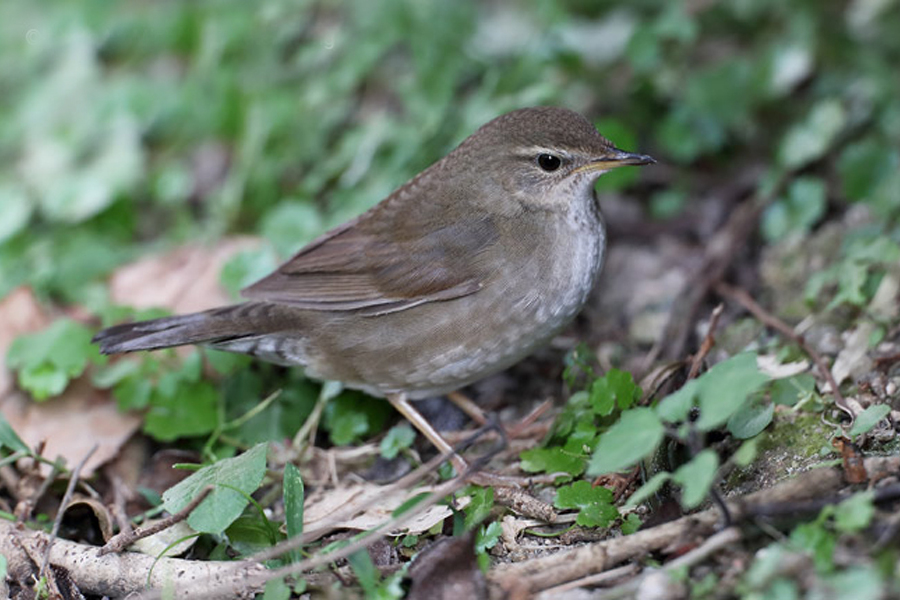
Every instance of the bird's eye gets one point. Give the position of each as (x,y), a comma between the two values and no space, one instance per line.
(548,162)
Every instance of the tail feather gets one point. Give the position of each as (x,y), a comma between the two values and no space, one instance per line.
(196,328)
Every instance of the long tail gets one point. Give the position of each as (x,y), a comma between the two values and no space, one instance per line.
(211,326)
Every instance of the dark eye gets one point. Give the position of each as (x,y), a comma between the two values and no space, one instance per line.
(548,162)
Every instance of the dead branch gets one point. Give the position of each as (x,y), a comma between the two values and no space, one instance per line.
(118,575)
(532,576)
(67,497)
(126,538)
(709,341)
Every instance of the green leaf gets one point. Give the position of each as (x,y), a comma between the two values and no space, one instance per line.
(676,407)
(577,413)
(746,454)
(368,576)
(486,538)
(47,360)
(480,506)
(399,437)
(233,480)
(630,524)
(9,438)
(648,489)
(802,208)
(789,391)
(751,418)
(815,539)
(182,409)
(767,565)
(722,93)
(869,418)
(594,504)
(281,419)
(293,494)
(552,460)
(251,533)
(725,387)
(855,513)
(719,392)
(859,582)
(636,435)
(810,139)
(43,380)
(226,363)
(864,165)
(696,477)
(352,415)
(276,589)
(616,389)
(17,209)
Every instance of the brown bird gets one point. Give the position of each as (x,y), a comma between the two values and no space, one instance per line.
(461,272)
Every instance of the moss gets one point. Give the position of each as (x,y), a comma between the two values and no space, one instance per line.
(803,433)
(792,443)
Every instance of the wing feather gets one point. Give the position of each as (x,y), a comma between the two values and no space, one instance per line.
(366,266)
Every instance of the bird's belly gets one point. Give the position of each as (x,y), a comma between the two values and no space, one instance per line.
(441,346)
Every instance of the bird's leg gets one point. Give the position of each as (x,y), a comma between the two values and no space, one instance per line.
(465,404)
(406,409)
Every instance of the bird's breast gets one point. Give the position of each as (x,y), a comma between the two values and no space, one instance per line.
(536,282)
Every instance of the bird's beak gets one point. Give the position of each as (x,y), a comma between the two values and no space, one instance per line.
(616,158)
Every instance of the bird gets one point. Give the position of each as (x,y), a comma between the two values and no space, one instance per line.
(461,272)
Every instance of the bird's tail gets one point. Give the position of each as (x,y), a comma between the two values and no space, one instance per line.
(207,327)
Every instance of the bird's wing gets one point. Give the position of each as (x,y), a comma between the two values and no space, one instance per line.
(381,265)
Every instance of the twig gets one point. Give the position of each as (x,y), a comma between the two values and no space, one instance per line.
(120,575)
(257,581)
(522,426)
(437,495)
(709,341)
(541,573)
(689,559)
(768,319)
(468,406)
(67,497)
(119,542)
(592,580)
(120,492)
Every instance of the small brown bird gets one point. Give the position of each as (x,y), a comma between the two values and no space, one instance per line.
(461,272)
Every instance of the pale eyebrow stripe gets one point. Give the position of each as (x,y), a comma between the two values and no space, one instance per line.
(533,151)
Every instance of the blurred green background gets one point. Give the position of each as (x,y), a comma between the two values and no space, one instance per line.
(132,127)
(130,123)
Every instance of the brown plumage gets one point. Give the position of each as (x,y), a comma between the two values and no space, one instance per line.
(459,273)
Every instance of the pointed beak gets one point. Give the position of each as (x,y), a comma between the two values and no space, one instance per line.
(617,158)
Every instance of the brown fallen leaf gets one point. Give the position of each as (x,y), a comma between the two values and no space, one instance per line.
(71,424)
(365,505)
(183,280)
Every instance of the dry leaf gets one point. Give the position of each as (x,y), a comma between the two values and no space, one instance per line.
(362,506)
(71,424)
(183,280)
(853,361)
